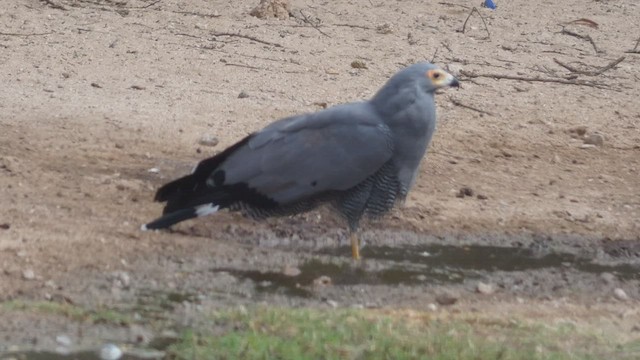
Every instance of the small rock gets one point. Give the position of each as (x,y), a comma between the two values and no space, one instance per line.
(271,9)
(446,299)
(28,274)
(243,95)
(578,130)
(208,140)
(291,271)
(358,64)
(609,278)
(322,281)
(110,352)
(464,191)
(140,335)
(332,303)
(5,226)
(594,139)
(482,197)
(485,289)
(63,340)
(96,85)
(121,279)
(620,294)
(385,28)
(432,307)
(154,170)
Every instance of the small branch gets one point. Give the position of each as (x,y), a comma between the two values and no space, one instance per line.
(244,66)
(464,26)
(433,58)
(354,26)
(144,6)
(635,49)
(583,37)
(29,34)
(54,5)
(195,14)
(596,72)
(246,37)
(458,103)
(313,24)
(538,79)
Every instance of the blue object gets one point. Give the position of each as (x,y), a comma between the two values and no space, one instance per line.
(490,4)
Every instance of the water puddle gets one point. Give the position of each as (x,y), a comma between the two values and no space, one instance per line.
(434,264)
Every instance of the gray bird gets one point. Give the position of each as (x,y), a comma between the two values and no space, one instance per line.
(360,157)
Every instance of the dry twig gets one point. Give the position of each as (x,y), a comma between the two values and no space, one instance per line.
(464,26)
(54,5)
(635,49)
(246,37)
(313,24)
(583,37)
(354,26)
(538,79)
(596,72)
(196,14)
(458,103)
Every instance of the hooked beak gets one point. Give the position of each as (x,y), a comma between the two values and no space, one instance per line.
(453,82)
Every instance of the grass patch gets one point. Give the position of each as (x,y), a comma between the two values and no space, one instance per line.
(274,333)
(69,311)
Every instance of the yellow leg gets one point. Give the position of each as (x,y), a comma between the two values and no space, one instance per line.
(355,246)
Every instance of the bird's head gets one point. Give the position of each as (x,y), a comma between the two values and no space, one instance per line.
(430,77)
(403,88)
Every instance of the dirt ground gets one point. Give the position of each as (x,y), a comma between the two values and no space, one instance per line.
(103,101)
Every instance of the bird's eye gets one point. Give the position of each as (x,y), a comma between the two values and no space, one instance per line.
(436,76)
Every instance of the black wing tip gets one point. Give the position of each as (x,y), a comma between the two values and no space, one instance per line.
(170,219)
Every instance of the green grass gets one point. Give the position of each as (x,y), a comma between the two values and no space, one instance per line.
(273,333)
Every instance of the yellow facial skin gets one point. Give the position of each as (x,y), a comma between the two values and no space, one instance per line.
(438,77)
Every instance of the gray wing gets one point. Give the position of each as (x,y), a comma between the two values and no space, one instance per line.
(302,156)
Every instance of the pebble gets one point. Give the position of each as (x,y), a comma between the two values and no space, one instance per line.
(28,274)
(620,294)
(291,271)
(332,303)
(484,288)
(358,64)
(110,352)
(446,299)
(464,191)
(121,279)
(243,95)
(578,130)
(432,307)
(594,139)
(154,170)
(609,278)
(208,140)
(322,281)
(140,335)
(63,340)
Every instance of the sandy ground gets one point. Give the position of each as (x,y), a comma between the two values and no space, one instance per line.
(97,93)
